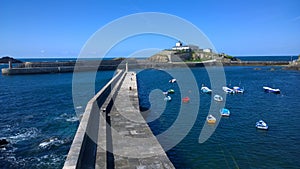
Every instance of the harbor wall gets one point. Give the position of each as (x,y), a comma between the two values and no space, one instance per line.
(83,150)
(65,67)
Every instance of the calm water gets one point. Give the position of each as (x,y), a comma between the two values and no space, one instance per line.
(35,108)
(236,143)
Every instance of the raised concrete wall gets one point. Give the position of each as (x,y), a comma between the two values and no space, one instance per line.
(83,150)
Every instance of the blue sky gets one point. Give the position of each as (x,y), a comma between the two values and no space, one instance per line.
(36,28)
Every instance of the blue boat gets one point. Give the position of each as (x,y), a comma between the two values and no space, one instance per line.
(261,125)
(225,112)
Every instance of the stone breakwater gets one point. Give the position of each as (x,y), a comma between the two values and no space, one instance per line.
(72,66)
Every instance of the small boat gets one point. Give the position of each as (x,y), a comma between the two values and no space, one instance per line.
(225,112)
(271,90)
(171,91)
(205,89)
(211,119)
(261,125)
(186,99)
(237,89)
(228,90)
(218,98)
(165,93)
(172,80)
(168,98)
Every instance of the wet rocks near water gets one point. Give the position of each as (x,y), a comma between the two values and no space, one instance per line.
(3,142)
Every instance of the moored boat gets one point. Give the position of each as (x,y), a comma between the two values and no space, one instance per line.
(205,89)
(225,112)
(168,98)
(186,99)
(218,98)
(171,91)
(172,80)
(228,90)
(211,119)
(271,90)
(237,89)
(261,125)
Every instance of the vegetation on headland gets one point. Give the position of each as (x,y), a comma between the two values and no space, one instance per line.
(6,59)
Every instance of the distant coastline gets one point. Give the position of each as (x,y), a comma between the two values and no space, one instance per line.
(90,65)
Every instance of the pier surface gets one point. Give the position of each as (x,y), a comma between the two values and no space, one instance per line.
(134,145)
(115,133)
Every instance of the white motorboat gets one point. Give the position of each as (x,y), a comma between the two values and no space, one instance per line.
(228,90)
(271,90)
(237,89)
(205,89)
(261,125)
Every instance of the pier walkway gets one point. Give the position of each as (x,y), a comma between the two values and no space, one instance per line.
(113,132)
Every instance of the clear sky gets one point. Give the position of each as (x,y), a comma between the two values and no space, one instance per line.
(42,28)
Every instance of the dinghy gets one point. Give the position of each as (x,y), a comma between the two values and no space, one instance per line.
(168,98)
(186,99)
(218,98)
(172,80)
(211,119)
(205,89)
(171,91)
(261,125)
(225,112)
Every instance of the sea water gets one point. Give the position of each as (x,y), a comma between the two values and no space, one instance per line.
(39,119)
(236,143)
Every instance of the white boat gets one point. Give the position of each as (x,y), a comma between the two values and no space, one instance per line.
(211,119)
(261,125)
(218,98)
(205,89)
(271,90)
(172,80)
(171,91)
(225,112)
(168,98)
(165,93)
(238,89)
(228,90)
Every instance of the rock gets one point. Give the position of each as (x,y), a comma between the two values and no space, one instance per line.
(6,59)
(3,142)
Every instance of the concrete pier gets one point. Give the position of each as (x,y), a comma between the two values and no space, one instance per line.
(113,133)
(133,143)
